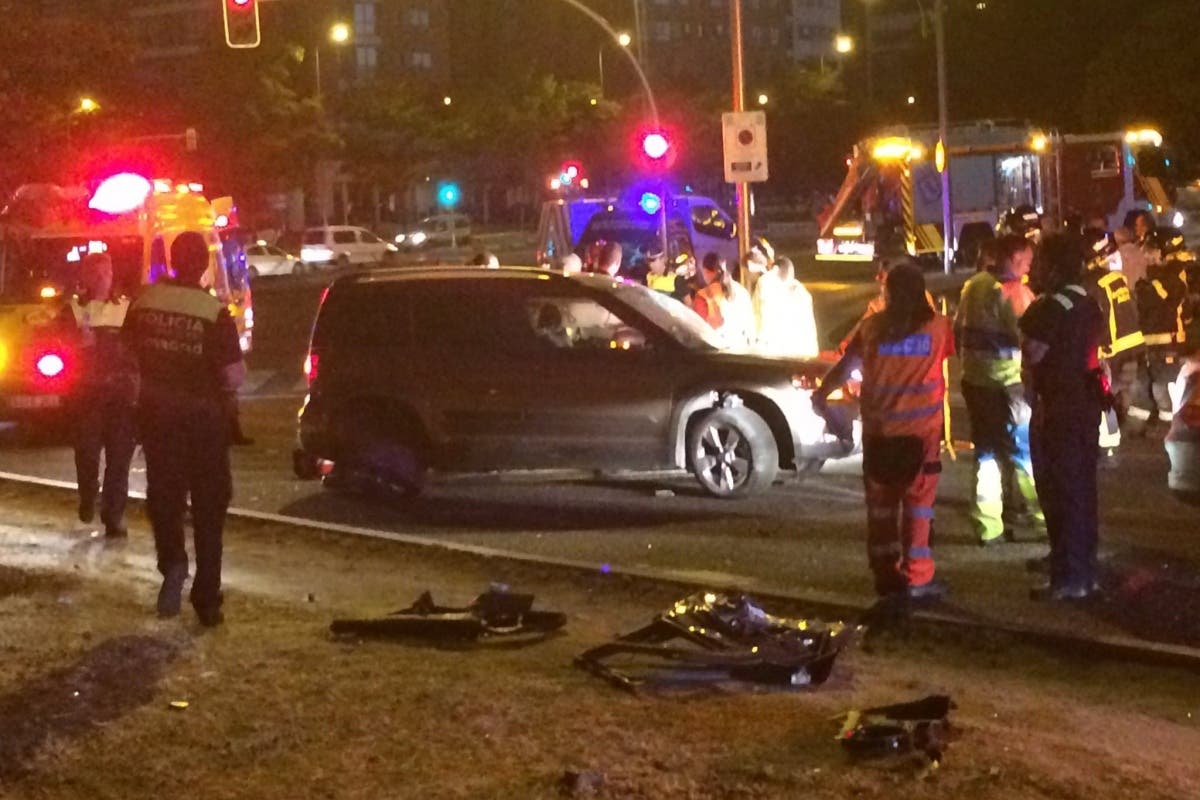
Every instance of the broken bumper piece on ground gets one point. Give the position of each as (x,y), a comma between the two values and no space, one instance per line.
(921,727)
(711,639)
(495,614)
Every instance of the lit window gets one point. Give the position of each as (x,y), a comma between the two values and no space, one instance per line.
(418,17)
(420,60)
(364,19)
(367,59)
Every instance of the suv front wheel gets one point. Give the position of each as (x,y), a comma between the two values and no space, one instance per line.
(732,453)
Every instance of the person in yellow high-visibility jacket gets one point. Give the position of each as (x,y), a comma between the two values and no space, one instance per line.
(988,339)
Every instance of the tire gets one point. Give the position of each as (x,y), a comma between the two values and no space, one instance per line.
(381,458)
(304,466)
(299,268)
(253,271)
(732,453)
(343,261)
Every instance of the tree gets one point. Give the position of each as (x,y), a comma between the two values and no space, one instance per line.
(1148,73)
(42,81)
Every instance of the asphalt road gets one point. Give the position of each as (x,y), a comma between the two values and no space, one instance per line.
(799,537)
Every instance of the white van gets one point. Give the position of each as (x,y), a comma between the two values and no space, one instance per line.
(343,245)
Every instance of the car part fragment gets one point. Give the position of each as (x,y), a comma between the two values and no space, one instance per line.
(497,613)
(712,638)
(920,727)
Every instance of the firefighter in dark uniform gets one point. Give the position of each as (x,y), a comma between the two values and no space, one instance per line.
(1121,340)
(103,400)
(1162,308)
(187,348)
(1060,366)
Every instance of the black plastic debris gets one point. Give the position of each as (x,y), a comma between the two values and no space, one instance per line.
(921,728)
(711,638)
(497,613)
(581,783)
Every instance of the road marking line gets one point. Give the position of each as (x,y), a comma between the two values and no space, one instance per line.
(1113,646)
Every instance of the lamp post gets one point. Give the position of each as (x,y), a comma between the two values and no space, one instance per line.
(624,40)
(339,34)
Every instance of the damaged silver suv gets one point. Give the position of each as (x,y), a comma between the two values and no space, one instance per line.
(472,369)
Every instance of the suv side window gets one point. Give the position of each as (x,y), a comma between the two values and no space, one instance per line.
(370,315)
(343,237)
(579,323)
(479,315)
(369,238)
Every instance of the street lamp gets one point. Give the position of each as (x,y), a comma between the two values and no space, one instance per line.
(87,105)
(912,101)
(447,100)
(763,99)
(339,34)
(843,44)
(624,40)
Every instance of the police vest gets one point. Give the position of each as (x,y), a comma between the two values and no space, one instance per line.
(105,361)
(661,283)
(988,339)
(1161,298)
(172,333)
(1121,332)
(903,385)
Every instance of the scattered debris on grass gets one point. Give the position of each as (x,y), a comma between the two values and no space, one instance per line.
(716,638)
(921,728)
(581,783)
(497,613)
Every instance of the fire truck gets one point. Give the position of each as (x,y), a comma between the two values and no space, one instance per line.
(891,200)
(46,231)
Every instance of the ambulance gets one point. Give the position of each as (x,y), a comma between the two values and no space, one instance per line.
(46,231)
(891,200)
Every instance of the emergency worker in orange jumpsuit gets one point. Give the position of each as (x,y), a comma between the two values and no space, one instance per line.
(900,351)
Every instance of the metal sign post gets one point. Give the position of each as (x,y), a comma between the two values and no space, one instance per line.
(739,105)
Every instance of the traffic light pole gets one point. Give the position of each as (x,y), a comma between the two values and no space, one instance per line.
(939,28)
(739,104)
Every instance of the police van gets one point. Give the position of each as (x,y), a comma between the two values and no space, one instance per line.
(642,219)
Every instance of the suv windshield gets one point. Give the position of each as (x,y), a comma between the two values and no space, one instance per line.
(677,320)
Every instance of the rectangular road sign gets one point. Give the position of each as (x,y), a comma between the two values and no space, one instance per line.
(745,137)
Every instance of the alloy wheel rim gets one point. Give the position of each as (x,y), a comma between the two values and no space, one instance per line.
(723,459)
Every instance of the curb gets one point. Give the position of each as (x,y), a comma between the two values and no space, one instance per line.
(1113,648)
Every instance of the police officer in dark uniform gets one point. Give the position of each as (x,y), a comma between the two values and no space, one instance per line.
(190,359)
(1061,370)
(102,402)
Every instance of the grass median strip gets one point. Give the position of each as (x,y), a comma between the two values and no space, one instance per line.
(277,708)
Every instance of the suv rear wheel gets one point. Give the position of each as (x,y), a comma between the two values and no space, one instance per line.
(381,459)
(732,453)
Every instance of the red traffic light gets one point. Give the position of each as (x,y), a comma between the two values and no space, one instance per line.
(655,150)
(242,28)
(656,145)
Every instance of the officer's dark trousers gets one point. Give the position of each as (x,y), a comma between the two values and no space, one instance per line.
(1150,402)
(187,452)
(104,424)
(1063,443)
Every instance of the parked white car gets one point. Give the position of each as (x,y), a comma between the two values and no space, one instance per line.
(267,259)
(440,229)
(343,245)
